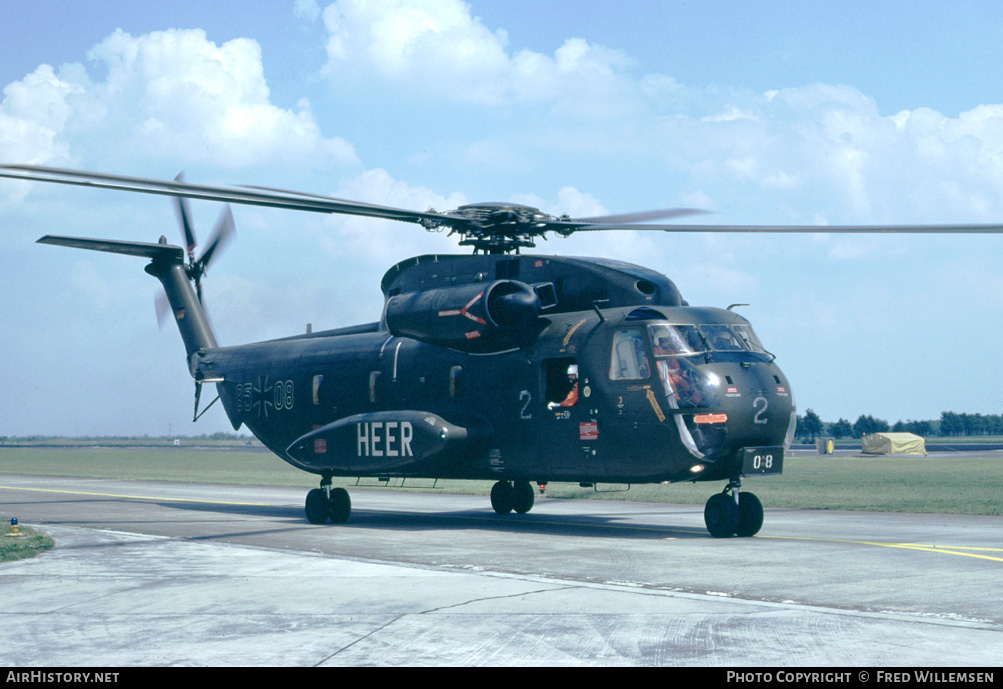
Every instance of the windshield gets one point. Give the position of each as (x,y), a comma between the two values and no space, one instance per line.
(676,340)
(686,340)
(722,338)
(749,338)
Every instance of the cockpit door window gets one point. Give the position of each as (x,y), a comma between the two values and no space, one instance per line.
(629,360)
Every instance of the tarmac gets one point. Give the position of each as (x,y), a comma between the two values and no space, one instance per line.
(165,574)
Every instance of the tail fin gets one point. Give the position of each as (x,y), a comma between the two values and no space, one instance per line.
(167,265)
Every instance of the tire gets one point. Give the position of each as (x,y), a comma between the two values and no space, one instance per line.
(523,497)
(316,507)
(750,515)
(502,497)
(721,516)
(340,506)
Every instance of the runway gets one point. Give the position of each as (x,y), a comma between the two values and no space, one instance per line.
(178,574)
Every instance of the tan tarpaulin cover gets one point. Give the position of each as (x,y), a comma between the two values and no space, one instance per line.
(893,444)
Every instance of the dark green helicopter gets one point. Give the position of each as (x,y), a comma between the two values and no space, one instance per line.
(493,365)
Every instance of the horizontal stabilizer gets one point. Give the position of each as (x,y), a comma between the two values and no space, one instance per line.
(155,252)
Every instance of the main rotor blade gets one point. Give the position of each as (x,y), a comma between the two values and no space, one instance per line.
(204,192)
(306,202)
(288,192)
(818,229)
(640,217)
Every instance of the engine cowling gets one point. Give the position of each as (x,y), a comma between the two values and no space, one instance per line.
(476,318)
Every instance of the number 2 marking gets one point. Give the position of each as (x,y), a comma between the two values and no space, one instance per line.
(525,394)
(755,405)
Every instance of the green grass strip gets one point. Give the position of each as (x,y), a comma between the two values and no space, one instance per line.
(956,484)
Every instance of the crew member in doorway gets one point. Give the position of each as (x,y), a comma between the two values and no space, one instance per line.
(572,397)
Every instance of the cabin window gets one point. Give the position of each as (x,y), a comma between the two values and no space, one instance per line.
(629,359)
(454,381)
(317,380)
(374,378)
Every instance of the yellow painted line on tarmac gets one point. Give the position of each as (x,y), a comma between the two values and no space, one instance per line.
(135,497)
(946,550)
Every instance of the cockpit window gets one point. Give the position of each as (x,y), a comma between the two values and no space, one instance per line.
(676,340)
(629,360)
(722,338)
(748,336)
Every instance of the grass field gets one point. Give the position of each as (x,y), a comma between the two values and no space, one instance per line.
(30,544)
(961,484)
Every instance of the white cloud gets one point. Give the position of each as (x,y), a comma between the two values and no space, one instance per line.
(33,116)
(183,95)
(452,53)
(169,94)
(819,151)
(437,50)
(729,115)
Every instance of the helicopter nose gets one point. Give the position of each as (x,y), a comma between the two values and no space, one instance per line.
(758,401)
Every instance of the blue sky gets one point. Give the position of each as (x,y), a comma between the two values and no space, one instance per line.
(783,112)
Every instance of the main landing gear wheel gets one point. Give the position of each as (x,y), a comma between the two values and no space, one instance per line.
(328,503)
(316,506)
(508,496)
(524,497)
(502,497)
(339,505)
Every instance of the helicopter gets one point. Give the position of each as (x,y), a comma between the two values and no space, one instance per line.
(496,365)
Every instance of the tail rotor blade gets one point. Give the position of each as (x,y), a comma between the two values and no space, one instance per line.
(185,218)
(162,306)
(221,236)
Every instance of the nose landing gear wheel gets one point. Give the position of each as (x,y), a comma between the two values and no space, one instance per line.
(721,515)
(750,515)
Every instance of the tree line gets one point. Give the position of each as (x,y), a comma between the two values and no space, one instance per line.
(950,424)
